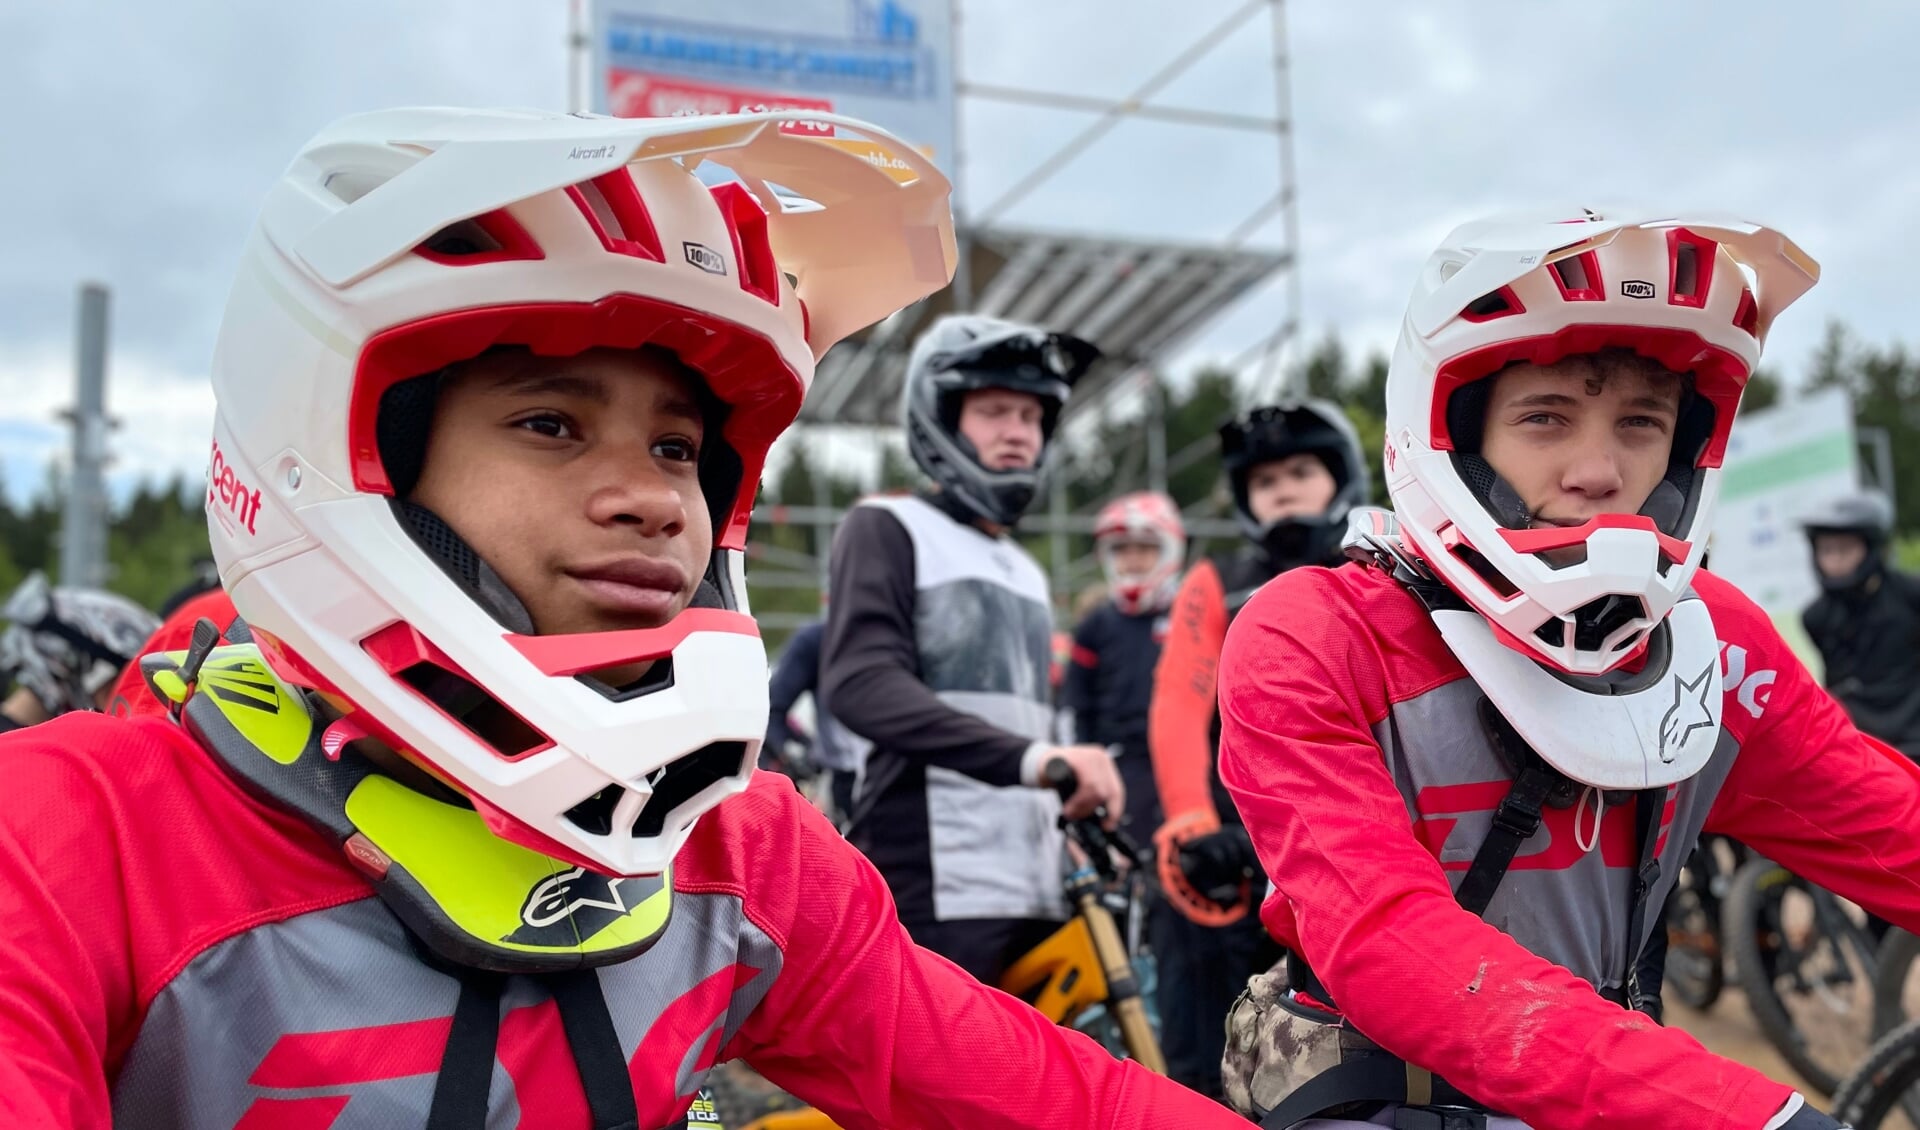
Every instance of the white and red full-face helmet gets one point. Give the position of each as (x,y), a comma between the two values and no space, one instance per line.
(404,241)
(1142,517)
(1695,293)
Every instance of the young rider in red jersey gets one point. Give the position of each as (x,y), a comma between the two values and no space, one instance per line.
(461,828)
(1478,763)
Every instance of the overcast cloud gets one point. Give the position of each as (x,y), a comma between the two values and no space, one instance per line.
(138,138)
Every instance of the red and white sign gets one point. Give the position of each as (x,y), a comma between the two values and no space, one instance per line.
(636,94)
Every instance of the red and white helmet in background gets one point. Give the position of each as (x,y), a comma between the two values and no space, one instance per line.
(403,241)
(1144,516)
(1694,293)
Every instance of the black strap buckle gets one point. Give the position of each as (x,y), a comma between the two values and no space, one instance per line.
(1438,1118)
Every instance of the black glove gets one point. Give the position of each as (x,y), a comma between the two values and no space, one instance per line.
(1219,864)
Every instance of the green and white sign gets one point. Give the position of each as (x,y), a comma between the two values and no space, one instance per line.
(1782,463)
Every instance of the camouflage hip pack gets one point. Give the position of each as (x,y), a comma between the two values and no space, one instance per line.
(1276,1045)
(1288,1060)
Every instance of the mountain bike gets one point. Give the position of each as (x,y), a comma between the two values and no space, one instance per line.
(1084,967)
(1807,963)
(1886,1082)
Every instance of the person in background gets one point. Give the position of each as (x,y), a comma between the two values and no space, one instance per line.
(936,653)
(798,673)
(1295,471)
(1142,545)
(1866,620)
(63,649)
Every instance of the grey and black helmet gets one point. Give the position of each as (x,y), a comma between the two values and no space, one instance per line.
(959,354)
(1867,514)
(65,644)
(1275,432)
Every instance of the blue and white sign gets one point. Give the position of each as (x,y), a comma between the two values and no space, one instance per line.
(889,62)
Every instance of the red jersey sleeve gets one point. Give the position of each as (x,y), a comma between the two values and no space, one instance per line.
(1808,790)
(1303,681)
(878,1032)
(1180,719)
(65,985)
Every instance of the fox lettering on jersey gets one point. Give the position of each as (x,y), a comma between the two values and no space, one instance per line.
(1750,691)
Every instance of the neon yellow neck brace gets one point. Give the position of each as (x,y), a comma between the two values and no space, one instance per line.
(473,898)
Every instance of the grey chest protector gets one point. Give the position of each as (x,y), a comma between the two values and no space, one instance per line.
(475,907)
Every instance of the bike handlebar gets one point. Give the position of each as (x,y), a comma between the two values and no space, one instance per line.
(1087,831)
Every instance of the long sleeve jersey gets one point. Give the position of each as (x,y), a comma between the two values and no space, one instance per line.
(1351,748)
(937,649)
(182,954)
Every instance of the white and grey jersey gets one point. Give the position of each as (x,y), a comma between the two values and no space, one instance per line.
(937,653)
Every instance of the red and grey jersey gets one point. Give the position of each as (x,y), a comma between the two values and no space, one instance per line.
(180,954)
(1353,746)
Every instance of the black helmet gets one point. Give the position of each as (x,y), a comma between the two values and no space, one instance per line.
(964,352)
(1867,515)
(1275,432)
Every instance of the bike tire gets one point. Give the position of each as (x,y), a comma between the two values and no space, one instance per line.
(1696,958)
(1741,926)
(1883,1082)
(1898,955)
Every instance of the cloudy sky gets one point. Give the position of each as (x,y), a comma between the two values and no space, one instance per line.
(138,139)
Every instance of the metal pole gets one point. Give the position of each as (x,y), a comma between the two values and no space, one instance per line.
(962,231)
(83,535)
(823,522)
(1156,417)
(1289,196)
(579,99)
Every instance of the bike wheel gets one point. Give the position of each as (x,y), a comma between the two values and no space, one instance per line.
(1886,1082)
(1809,991)
(1896,984)
(1696,965)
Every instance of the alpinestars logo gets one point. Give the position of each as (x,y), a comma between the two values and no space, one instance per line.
(576,904)
(569,891)
(1691,711)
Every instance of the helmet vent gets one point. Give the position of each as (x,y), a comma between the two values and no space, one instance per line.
(1578,278)
(613,208)
(1598,619)
(478,712)
(491,238)
(1482,568)
(1691,257)
(685,778)
(457,241)
(1497,304)
(594,815)
(1747,316)
(347,187)
(747,223)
